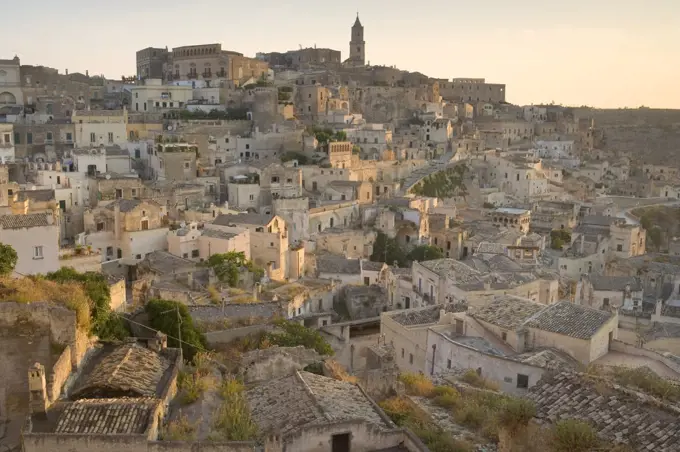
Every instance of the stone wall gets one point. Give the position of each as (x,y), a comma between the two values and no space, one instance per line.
(40,442)
(665,359)
(58,375)
(215,338)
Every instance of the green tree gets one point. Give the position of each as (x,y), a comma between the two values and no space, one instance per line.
(293,335)
(425,253)
(558,238)
(8,259)
(227,266)
(105,324)
(386,249)
(163,317)
(301,158)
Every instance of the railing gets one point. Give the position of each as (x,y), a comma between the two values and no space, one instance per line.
(207,74)
(221,74)
(192,75)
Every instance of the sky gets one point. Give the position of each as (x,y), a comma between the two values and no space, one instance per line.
(601,53)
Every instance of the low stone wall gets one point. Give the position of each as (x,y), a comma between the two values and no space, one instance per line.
(622,347)
(226,336)
(181,446)
(57,377)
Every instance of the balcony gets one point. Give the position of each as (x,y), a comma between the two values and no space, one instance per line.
(221,74)
(207,75)
(192,75)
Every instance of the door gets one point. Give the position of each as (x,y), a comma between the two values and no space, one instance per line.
(340,443)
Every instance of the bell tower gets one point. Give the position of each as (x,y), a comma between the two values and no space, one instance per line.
(357,46)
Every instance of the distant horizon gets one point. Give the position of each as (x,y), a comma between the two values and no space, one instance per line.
(576,54)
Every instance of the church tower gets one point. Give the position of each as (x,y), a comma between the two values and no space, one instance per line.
(357,46)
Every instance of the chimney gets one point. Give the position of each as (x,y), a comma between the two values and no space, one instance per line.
(87,73)
(66,71)
(158,343)
(37,387)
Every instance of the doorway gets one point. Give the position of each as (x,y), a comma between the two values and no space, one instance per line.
(340,443)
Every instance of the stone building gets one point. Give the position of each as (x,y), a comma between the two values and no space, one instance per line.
(151,62)
(100,127)
(210,63)
(303,58)
(357,45)
(10,83)
(35,238)
(126,229)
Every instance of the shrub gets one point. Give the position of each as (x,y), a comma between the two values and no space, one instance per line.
(472,378)
(233,421)
(417,384)
(437,440)
(8,259)
(573,435)
(294,335)
(516,413)
(648,382)
(471,415)
(398,409)
(192,386)
(179,430)
(163,317)
(445,401)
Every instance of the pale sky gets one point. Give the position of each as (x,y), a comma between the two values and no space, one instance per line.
(603,53)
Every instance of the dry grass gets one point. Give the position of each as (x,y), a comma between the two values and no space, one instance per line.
(417,384)
(180,430)
(215,296)
(474,379)
(339,372)
(192,386)
(70,295)
(233,420)
(572,435)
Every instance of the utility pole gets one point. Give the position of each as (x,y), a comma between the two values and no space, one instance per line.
(179,331)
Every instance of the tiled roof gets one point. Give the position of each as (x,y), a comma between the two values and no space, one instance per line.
(163,262)
(289,403)
(450,268)
(424,316)
(217,234)
(329,263)
(30,220)
(37,195)
(617,414)
(372,266)
(570,319)
(107,416)
(124,370)
(508,311)
(126,205)
(615,283)
(244,218)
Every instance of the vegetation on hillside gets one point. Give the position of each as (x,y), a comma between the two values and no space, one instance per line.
(443,184)
(327,135)
(662,224)
(230,114)
(386,249)
(106,324)
(163,316)
(8,259)
(233,421)
(425,253)
(559,238)
(228,265)
(291,155)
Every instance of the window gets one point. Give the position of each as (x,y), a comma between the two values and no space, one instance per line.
(138,256)
(448,363)
(402,352)
(100,226)
(48,137)
(119,193)
(605,303)
(619,247)
(185,255)
(367,281)
(187,165)
(110,137)
(252,197)
(69,136)
(145,225)
(109,251)
(247,146)
(29,138)
(410,358)
(522,381)
(194,253)
(17,138)
(504,336)
(37,252)
(93,137)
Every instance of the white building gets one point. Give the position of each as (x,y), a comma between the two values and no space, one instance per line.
(154,96)
(35,238)
(373,139)
(555,149)
(6,143)
(100,127)
(533,113)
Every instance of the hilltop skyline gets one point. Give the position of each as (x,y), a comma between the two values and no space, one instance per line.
(584,56)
